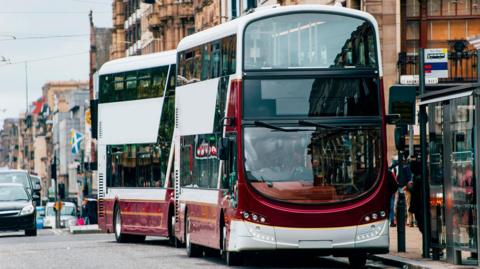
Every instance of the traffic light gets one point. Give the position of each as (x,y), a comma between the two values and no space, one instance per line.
(53,168)
(61,190)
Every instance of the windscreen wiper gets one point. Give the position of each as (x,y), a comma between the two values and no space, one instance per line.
(273,127)
(320,125)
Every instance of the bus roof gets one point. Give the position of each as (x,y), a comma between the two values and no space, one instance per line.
(138,62)
(237,25)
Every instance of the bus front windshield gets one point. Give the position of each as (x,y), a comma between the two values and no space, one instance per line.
(310,40)
(311,164)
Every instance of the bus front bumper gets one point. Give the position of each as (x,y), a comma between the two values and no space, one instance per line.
(249,236)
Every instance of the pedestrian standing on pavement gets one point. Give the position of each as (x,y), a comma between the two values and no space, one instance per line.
(85,211)
(416,207)
(408,177)
(393,185)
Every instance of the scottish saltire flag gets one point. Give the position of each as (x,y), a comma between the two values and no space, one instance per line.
(75,141)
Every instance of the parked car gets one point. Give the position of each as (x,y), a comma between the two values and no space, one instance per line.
(68,215)
(22,177)
(17,210)
(37,187)
(40,216)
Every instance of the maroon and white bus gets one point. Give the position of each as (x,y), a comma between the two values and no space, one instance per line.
(280,135)
(135,154)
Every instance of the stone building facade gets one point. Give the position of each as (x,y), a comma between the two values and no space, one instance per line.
(141,28)
(9,143)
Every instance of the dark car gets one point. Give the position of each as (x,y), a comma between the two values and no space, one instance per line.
(21,177)
(17,210)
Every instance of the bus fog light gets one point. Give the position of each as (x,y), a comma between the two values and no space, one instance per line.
(383,214)
(367,218)
(262,219)
(254,217)
(374,216)
(246,215)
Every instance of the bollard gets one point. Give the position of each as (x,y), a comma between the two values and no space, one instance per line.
(401,220)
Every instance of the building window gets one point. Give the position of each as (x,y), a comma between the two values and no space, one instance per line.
(445,24)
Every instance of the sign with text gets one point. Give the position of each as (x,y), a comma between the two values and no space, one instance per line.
(436,63)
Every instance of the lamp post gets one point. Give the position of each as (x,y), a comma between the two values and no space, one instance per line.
(26,86)
(11,36)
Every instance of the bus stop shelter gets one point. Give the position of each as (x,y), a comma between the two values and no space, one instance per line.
(453,140)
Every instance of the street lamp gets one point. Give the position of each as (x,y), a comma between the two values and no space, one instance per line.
(4,60)
(11,36)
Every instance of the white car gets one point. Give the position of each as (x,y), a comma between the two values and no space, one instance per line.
(68,215)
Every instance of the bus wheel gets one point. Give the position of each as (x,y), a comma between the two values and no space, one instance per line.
(172,239)
(193,250)
(117,226)
(231,258)
(358,260)
(119,235)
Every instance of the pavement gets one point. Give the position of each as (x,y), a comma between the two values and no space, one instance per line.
(85,229)
(412,258)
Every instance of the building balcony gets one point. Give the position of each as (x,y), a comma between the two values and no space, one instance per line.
(160,14)
(119,21)
(462,66)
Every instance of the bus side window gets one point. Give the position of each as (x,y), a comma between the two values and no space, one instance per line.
(229,177)
(215,60)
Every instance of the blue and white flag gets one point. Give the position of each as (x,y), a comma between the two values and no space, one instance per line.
(76,141)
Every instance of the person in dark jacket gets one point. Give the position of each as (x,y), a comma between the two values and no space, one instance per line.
(416,193)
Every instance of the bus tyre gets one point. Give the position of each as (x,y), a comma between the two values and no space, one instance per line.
(230,258)
(134,238)
(32,232)
(117,227)
(193,250)
(358,260)
(172,239)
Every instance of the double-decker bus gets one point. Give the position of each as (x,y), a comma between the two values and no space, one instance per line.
(280,135)
(136,97)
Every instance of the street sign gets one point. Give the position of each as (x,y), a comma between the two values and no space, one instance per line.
(402,101)
(436,63)
(414,80)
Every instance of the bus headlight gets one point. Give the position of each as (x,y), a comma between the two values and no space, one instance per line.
(253,217)
(27,210)
(371,231)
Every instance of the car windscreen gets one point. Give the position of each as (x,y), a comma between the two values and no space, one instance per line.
(13,193)
(66,211)
(15,177)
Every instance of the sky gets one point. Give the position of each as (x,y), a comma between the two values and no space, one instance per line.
(52,36)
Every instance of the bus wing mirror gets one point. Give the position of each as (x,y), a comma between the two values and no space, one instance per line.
(223,149)
(392,119)
(228,121)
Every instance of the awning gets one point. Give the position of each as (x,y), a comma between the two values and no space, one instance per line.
(446,97)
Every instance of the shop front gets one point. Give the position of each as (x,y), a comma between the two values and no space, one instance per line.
(453,141)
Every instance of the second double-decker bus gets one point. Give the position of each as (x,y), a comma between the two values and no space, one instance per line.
(136,98)
(280,135)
